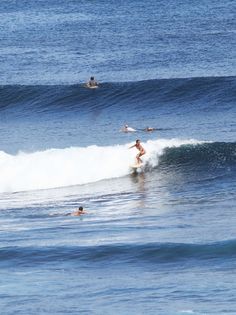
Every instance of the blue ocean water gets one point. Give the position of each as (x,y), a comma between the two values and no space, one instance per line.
(159,241)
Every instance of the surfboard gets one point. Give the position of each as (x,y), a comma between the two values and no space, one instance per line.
(130,129)
(136,166)
(92,87)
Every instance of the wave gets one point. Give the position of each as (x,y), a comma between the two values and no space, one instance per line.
(118,253)
(207,92)
(76,165)
(213,155)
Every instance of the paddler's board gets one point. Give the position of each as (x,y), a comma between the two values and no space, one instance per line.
(91,86)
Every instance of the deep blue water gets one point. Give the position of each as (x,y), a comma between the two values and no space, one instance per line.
(55,42)
(159,241)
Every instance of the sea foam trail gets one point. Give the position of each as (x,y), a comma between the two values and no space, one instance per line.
(75,166)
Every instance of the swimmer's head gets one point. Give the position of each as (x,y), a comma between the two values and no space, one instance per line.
(137,141)
(80,208)
(92,78)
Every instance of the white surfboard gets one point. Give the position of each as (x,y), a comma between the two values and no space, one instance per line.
(130,129)
(92,87)
(136,166)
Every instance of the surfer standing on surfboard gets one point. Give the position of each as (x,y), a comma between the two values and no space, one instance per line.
(141,151)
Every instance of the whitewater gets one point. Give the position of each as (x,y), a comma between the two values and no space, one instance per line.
(76,166)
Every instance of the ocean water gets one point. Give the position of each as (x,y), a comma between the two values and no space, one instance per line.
(158,241)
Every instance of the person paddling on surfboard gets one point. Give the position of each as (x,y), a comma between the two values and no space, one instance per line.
(141,151)
(126,128)
(149,129)
(92,83)
(78,212)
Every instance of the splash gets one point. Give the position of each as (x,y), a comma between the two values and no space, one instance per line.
(75,165)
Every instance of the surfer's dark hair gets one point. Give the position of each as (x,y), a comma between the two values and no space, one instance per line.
(80,208)
(137,140)
(92,78)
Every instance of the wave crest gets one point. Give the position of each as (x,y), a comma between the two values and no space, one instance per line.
(31,100)
(158,253)
(75,166)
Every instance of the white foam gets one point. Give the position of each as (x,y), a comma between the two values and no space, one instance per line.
(75,166)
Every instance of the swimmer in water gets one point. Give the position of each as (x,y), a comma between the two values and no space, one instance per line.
(149,129)
(142,151)
(78,212)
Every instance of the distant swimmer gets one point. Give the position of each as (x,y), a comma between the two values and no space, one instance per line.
(78,212)
(92,83)
(141,151)
(149,129)
(126,128)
